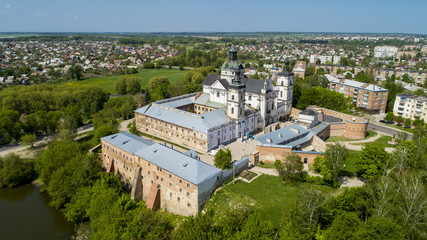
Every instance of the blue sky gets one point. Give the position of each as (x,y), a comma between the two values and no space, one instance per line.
(214,16)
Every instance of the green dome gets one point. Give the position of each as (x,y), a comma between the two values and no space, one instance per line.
(232,65)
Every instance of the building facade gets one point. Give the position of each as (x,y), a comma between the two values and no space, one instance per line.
(231,106)
(162,176)
(366,96)
(299,69)
(410,106)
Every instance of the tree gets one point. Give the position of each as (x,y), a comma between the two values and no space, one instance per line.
(223,159)
(344,226)
(29,139)
(105,130)
(399,119)
(372,161)
(348,76)
(389,117)
(380,228)
(408,122)
(159,88)
(412,204)
(336,155)
(127,84)
(418,123)
(75,72)
(290,168)
(15,171)
(132,127)
(324,98)
(10,126)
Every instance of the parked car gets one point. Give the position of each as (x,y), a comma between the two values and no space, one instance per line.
(251,137)
(213,152)
(383,121)
(407,126)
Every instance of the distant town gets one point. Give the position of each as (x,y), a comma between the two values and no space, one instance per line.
(219,135)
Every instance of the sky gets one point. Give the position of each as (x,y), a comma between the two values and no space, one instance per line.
(372,16)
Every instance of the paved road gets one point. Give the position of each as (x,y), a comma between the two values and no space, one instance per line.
(386,130)
(18,148)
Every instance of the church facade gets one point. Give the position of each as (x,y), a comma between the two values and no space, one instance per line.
(231,106)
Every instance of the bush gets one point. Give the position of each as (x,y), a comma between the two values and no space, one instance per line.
(15,171)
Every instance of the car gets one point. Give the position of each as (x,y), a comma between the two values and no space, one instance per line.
(391,122)
(399,124)
(407,126)
(251,137)
(213,152)
(383,121)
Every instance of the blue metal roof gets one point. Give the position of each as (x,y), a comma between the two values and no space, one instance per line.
(294,131)
(178,163)
(200,123)
(127,141)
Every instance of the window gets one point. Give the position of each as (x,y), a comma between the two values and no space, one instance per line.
(170,194)
(180,180)
(250,98)
(179,199)
(232,97)
(188,205)
(170,175)
(232,110)
(188,194)
(217,94)
(157,177)
(180,190)
(148,172)
(170,184)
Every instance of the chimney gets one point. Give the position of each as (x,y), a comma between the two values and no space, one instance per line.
(320,116)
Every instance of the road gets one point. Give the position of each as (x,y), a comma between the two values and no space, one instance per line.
(19,149)
(386,130)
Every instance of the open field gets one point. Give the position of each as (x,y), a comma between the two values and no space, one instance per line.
(268,195)
(144,76)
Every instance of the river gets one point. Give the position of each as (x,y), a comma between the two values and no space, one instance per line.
(25,214)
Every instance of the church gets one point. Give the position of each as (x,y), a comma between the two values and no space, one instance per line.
(231,106)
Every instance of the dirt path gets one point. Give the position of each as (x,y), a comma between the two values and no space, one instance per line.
(26,152)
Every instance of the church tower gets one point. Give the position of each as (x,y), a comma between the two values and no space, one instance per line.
(285,82)
(236,98)
(232,67)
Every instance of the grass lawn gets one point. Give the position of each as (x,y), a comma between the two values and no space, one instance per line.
(268,194)
(144,76)
(383,141)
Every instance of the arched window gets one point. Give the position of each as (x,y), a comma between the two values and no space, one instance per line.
(281,93)
(250,98)
(305,160)
(232,97)
(232,110)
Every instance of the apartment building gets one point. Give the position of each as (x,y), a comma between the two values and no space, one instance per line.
(410,106)
(333,69)
(418,77)
(299,69)
(385,51)
(365,96)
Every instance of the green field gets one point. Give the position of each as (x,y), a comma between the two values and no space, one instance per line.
(267,194)
(144,76)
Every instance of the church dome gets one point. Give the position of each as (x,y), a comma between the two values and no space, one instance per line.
(232,63)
